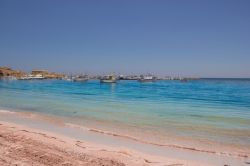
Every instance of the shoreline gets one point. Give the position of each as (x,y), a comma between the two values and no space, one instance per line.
(160,154)
(193,144)
(24,145)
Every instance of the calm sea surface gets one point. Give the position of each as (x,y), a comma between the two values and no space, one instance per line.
(214,109)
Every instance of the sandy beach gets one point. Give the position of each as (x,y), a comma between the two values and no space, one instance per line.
(21,145)
(23,142)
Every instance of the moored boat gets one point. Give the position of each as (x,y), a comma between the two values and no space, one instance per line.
(25,78)
(81,78)
(147,78)
(32,77)
(108,79)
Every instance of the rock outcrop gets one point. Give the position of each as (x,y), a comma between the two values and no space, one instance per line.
(7,71)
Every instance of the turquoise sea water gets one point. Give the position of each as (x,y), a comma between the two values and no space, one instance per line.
(214,109)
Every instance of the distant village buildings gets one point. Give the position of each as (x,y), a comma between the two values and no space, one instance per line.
(47,74)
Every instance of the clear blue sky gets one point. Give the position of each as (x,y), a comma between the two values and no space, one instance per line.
(169,37)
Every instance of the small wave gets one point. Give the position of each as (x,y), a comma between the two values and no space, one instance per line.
(76,126)
(244,155)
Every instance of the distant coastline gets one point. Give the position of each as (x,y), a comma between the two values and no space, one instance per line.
(9,73)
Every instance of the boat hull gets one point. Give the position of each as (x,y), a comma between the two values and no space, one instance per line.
(108,81)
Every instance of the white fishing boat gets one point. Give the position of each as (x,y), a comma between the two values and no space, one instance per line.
(25,78)
(32,77)
(108,79)
(147,78)
(81,78)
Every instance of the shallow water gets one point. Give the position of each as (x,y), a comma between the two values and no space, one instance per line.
(207,109)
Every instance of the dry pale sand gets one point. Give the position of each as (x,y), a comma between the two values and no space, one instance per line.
(21,145)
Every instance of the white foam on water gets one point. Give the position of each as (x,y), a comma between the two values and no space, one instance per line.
(76,126)
(7,111)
